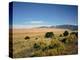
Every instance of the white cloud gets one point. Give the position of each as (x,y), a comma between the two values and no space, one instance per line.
(31,24)
(36,22)
(28,26)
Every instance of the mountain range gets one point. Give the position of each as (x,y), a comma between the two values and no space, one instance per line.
(71,27)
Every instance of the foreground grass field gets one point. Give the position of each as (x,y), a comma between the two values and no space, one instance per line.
(37,45)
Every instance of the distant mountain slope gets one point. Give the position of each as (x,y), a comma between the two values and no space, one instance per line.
(71,27)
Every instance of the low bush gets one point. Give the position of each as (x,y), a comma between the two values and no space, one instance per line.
(74,33)
(60,35)
(36,46)
(66,33)
(49,34)
(64,40)
(54,47)
(27,37)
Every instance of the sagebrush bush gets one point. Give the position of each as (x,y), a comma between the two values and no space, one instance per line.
(74,33)
(72,38)
(60,35)
(49,34)
(63,39)
(66,33)
(52,47)
(36,46)
(27,37)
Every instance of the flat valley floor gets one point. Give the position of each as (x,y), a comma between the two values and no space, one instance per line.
(33,43)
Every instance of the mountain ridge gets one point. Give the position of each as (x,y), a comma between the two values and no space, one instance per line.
(71,27)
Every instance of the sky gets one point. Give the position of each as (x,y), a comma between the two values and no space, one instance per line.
(28,15)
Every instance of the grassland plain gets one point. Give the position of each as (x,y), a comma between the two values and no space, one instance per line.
(37,45)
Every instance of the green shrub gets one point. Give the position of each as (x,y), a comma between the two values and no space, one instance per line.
(36,46)
(72,38)
(53,46)
(74,33)
(66,33)
(27,37)
(49,34)
(60,35)
(45,48)
(63,40)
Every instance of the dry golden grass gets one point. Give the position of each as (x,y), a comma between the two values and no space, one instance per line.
(24,48)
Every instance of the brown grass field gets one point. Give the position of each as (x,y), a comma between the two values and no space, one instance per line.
(42,46)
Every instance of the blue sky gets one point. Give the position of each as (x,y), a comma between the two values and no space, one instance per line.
(26,15)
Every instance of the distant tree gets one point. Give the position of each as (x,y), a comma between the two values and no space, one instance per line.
(49,34)
(66,33)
